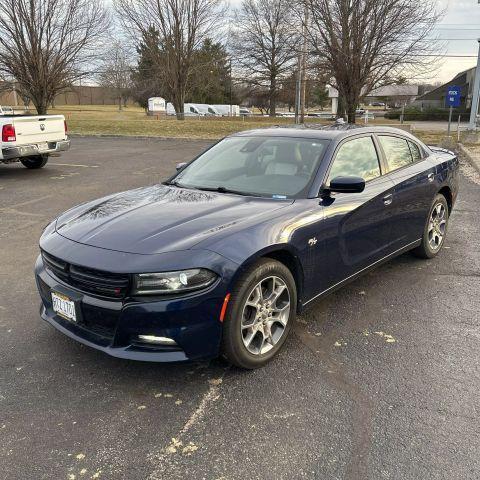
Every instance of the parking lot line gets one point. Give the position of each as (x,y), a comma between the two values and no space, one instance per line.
(73,165)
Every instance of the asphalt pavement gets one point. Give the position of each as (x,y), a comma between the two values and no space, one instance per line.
(380,380)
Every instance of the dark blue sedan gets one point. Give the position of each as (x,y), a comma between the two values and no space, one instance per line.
(219,259)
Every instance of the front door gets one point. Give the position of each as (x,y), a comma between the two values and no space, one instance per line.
(356,226)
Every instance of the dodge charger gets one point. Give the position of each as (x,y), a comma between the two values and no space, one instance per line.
(220,258)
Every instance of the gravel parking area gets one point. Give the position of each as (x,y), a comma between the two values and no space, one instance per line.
(381,380)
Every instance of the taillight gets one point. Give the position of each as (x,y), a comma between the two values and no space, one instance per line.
(8,133)
(65,125)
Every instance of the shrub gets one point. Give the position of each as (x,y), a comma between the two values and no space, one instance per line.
(429,113)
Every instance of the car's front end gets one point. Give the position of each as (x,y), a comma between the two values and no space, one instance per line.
(163,307)
(153,273)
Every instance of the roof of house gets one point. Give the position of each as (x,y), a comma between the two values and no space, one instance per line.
(394,91)
(439,92)
(385,91)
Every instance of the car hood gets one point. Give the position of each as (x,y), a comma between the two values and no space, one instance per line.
(159,218)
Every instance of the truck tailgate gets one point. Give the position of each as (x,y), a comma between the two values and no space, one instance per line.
(37,129)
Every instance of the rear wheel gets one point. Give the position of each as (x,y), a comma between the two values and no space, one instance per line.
(37,161)
(435,229)
(261,312)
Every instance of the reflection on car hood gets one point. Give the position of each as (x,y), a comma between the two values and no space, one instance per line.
(159,218)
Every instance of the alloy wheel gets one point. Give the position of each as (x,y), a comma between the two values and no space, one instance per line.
(437,226)
(265,315)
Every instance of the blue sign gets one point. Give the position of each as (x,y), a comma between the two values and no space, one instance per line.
(454,96)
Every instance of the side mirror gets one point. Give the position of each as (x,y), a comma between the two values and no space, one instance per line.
(347,185)
(180,166)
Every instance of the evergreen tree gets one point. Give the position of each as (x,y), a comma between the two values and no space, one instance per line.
(146,76)
(210,81)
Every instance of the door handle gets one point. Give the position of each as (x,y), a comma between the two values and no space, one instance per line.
(388,199)
(430,177)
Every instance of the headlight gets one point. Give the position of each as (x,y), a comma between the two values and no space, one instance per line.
(172,282)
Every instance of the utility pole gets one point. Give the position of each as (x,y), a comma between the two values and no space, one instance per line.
(230,87)
(303,71)
(476,92)
(297,90)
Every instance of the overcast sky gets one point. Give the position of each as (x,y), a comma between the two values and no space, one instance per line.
(461,22)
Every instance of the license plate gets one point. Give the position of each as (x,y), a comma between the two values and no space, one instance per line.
(63,306)
(42,146)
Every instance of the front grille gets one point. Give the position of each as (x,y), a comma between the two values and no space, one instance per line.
(98,282)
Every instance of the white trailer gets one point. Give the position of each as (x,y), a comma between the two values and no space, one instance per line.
(156,106)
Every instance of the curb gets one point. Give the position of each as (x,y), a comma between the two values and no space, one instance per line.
(475,162)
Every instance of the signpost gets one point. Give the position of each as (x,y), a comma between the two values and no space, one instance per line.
(476,93)
(453,98)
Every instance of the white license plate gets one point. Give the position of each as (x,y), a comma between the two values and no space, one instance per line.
(63,306)
(42,146)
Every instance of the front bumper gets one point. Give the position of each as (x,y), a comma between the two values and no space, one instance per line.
(113,326)
(18,151)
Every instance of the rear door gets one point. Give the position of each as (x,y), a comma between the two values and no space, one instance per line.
(38,129)
(413,175)
(357,226)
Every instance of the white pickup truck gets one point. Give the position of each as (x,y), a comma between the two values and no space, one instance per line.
(31,139)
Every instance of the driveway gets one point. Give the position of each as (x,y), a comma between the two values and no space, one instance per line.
(381,380)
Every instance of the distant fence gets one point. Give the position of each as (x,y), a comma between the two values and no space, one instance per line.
(81,95)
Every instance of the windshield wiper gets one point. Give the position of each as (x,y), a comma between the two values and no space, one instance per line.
(174,183)
(222,189)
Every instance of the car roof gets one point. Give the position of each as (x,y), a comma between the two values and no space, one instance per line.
(320,131)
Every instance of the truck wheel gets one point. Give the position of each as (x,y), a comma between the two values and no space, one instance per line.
(38,161)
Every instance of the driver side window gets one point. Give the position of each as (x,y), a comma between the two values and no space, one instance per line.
(357,158)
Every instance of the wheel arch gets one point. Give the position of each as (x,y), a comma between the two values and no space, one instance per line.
(284,254)
(447,193)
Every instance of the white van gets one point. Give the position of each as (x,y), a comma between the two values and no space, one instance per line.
(194,110)
(170,109)
(204,109)
(228,110)
(188,110)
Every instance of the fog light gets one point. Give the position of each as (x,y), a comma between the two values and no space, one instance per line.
(157,340)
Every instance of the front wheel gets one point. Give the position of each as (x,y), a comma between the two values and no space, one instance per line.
(435,229)
(38,161)
(260,314)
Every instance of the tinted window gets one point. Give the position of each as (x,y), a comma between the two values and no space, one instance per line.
(396,150)
(416,154)
(356,158)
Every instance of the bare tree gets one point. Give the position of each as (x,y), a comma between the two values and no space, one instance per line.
(116,71)
(182,27)
(265,42)
(364,44)
(45,44)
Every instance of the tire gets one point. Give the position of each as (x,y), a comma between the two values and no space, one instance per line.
(271,321)
(35,162)
(435,229)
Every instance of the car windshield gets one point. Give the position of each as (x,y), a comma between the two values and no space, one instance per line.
(277,167)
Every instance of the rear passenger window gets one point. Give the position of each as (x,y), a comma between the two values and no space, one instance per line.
(356,158)
(416,154)
(396,150)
